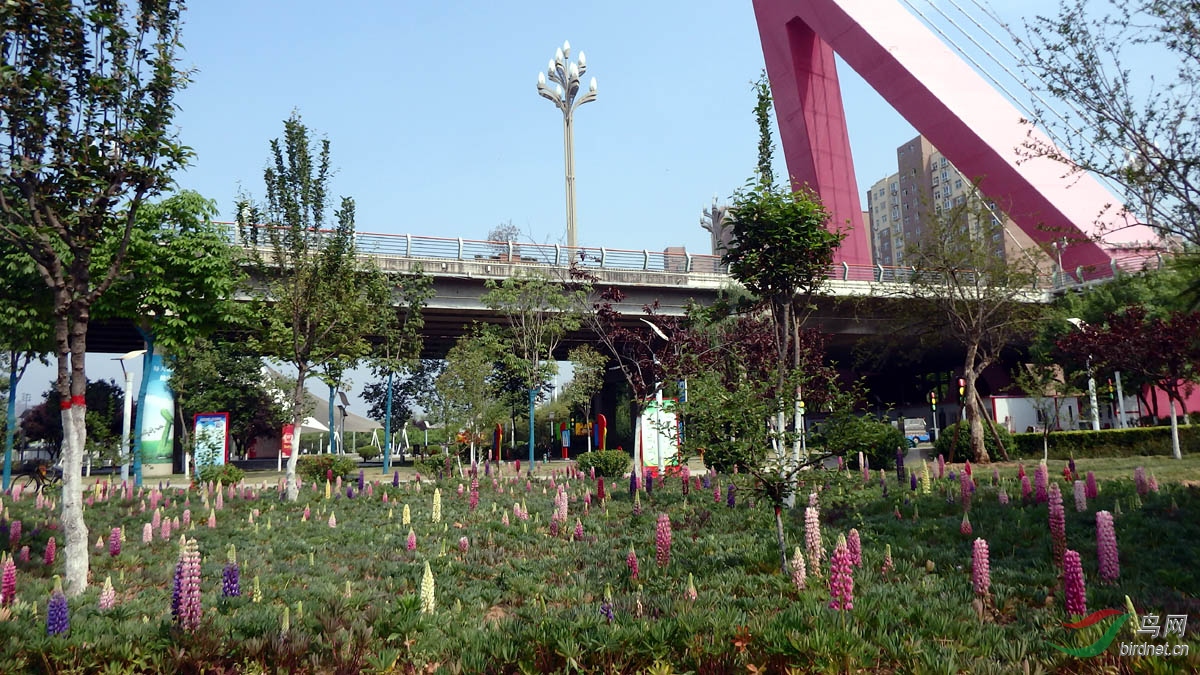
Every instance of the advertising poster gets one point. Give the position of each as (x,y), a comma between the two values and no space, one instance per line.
(212,439)
(287,440)
(158,432)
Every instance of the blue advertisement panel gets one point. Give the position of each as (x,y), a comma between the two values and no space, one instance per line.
(158,432)
(212,439)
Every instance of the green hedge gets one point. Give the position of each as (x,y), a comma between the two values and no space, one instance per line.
(1107,443)
(608,463)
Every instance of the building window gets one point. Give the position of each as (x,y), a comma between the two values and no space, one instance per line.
(935,181)
(958,184)
(946,204)
(945,175)
(944,162)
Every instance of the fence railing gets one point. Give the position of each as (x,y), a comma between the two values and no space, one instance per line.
(419,247)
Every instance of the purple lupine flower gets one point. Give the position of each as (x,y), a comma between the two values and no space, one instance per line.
(649,483)
(662,540)
(1106,548)
(114,541)
(1003,497)
(686,480)
(854,545)
(912,481)
(57,617)
(841,578)
(1071,467)
(361,480)
(350,491)
(395,479)
(1073,588)
(632,483)
(731,496)
(1058,525)
(706,481)
(187,574)
(231,584)
(1091,490)
(981,574)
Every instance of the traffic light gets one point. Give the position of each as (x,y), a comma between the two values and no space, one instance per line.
(962,387)
(802,408)
(933,400)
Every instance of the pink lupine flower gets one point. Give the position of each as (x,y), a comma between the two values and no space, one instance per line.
(165,532)
(332,520)
(8,580)
(1140,482)
(841,578)
(463,545)
(212,519)
(187,517)
(1106,547)
(799,570)
(51,551)
(1026,488)
(1080,496)
(187,586)
(1003,497)
(812,539)
(854,544)
(306,515)
(662,540)
(23,554)
(108,596)
(14,532)
(965,527)
(964,488)
(1073,588)
(1152,483)
(147,533)
(887,559)
(156,519)
(981,574)
(578,530)
(941,467)
(631,561)
(1041,480)
(411,542)
(1058,525)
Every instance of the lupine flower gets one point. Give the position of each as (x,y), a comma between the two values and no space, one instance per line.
(981,574)
(24,554)
(405,516)
(1071,467)
(411,542)
(1073,589)
(841,578)
(1041,480)
(716,488)
(685,480)
(887,559)
(256,590)
(473,502)
(504,519)
(350,492)
(691,588)
(814,500)
(706,482)
(187,583)
(306,515)
(600,488)
(220,500)
(662,540)
(965,527)
(799,570)
(156,519)
(854,544)
(51,550)
(899,465)
(1152,483)
(1058,525)
(57,618)
(14,533)
(637,503)
(428,603)
(941,467)
(361,480)
(1106,547)
(114,540)
(1003,497)
(463,545)
(231,576)
(606,607)
(578,530)
(926,481)
(437,505)
(1080,497)
(964,489)
(108,596)
(460,489)
(812,539)
(912,481)
(995,476)
(1091,490)
(165,532)
(631,561)
(8,580)
(1026,489)
(212,519)
(633,483)
(731,496)
(147,536)
(649,483)
(187,517)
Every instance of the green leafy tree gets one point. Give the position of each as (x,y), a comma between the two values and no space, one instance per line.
(317,301)
(43,422)
(87,106)
(399,349)
(468,385)
(540,313)
(587,379)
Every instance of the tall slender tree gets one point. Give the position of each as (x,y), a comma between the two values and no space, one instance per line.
(87,106)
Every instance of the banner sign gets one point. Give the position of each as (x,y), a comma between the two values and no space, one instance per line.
(287,439)
(158,432)
(212,439)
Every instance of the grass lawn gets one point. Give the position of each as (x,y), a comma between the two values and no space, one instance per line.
(331,584)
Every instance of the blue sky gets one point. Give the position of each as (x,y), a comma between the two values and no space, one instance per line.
(437,128)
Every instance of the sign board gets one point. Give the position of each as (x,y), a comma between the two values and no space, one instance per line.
(212,439)
(660,434)
(287,440)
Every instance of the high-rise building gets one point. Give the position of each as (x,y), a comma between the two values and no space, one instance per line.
(925,186)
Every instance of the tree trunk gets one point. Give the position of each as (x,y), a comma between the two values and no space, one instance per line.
(293,488)
(783,563)
(71,339)
(974,423)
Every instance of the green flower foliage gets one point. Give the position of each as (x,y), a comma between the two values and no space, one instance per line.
(227,474)
(316,467)
(608,463)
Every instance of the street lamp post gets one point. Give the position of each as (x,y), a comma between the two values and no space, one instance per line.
(1078,323)
(127,418)
(560,86)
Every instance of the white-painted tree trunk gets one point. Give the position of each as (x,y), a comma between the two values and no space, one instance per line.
(75,532)
(1178,454)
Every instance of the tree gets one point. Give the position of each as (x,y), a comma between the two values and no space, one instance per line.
(781,252)
(587,379)
(399,347)
(540,313)
(964,289)
(87,108)
(1145,137)
(467,384)
(317,302)
(43,422)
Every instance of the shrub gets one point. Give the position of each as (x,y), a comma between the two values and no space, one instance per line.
(368,451)
(225,473)
(962,449)
(317,467)
(608,463)
(847,434)
(1107,443)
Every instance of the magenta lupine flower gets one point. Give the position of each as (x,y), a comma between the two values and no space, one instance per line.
(941,467)
(841,578)
(854,544)
(631,561)
(473,502)
(57,618)
(965,527)
(662,540)
(463,545)
(51,551)
(716,488)
(8,580)
(1080,497)
(981,573)
(187,585)
(1058,525)
(1139,481)
(411,542)
(1091,490)
(600,488)
(24,554)
(1041,480)
(1106,547)
(812,539)
(306,515)
(964,489)
(147,535)
(1076,595)
(114,541)
(1026,488)
(14,533)
(578,530)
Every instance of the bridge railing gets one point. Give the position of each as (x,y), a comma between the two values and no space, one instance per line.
(421,247)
